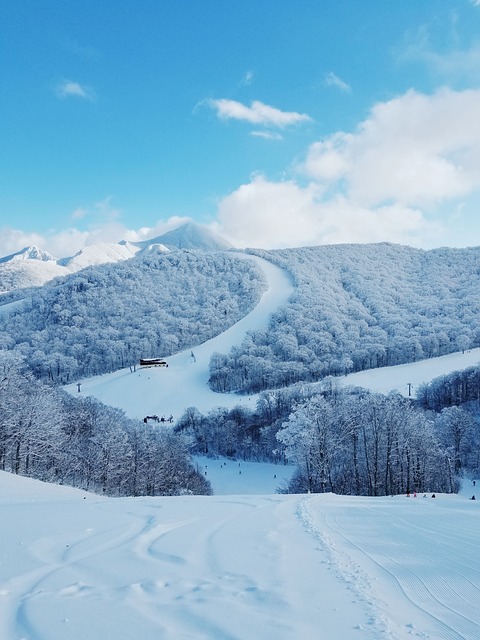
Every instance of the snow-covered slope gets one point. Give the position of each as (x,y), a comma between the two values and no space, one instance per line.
(27,273)
(166,391)
(99,254)
(28,253)
(406,378)
(34,268)
(170,391)
(270,567)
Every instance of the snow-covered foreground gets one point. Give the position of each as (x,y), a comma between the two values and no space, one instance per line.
(271,567)
(169,391)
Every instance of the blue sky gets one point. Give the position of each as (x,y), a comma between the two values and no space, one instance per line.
(275,122)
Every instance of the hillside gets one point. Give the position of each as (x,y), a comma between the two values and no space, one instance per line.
(358,307)
(72,438)
(109,316)
(160,391)
(354,307)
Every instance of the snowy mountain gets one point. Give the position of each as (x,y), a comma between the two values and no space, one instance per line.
(190,236)
(99,254)
(32,267)
(28,253)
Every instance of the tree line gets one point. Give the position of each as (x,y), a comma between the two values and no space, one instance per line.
(348,441)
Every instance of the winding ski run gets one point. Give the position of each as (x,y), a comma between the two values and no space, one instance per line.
(279,567)
(166,391)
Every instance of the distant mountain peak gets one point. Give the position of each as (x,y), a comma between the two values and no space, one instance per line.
(33,267)
(31,252)
(189,236)
(100,253)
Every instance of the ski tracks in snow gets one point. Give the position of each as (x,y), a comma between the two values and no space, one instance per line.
(413,597)
(169,569)
(346,570)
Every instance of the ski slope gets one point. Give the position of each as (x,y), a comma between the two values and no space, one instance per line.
(406,378)
(247,562)
(165,391)
(170,391)
(270,567)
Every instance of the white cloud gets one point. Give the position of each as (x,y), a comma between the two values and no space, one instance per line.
(329,160)
(70,89)
(248,78)
(79,213)
(105,209)
(453,63)
(397,178)
(414,149)
(332,80)
(65,243)
(267,135)
(283,214)
(257,113)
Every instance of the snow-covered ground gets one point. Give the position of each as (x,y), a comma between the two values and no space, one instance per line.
(245,563)
(271,567)
(406,378)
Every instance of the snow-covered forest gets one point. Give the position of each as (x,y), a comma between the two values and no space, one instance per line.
(107,317)
(47,434)
(353,307)
(350,441)
(358,307)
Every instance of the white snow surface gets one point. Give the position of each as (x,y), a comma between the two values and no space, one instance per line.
(406,378)
(74,565)
(244,564)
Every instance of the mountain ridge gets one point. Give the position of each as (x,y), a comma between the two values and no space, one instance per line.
(31,266)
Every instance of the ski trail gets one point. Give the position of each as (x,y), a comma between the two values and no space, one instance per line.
(346,571)
(165,391)
(441,602)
